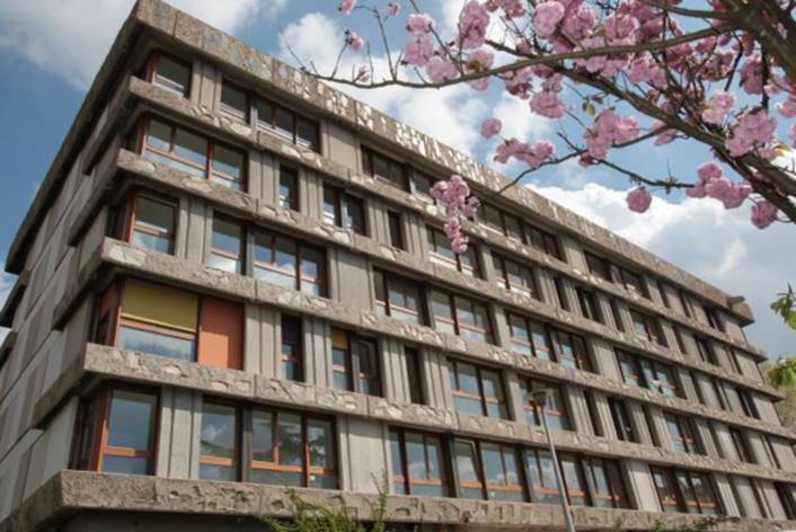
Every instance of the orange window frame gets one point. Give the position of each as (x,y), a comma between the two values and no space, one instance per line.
(240,256)
(233,462)
(433,478)
(131,224)
(532,407)
(481,396)
(505,487)
(153,77)
(100,447)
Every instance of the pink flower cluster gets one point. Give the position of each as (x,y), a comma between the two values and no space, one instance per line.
(347,6)
(455,196)
(638,199)
(609,128)
(752,75)
(419,50)
(754,131)
(546,17)
(665,135)
(420,24)
(473,22)
(440,70)
(394,9)
(764,214)
(532,155)
(354,41)
(714,184)
(479,61)
(547,102)
(721,103)
(491,127)
(511,8)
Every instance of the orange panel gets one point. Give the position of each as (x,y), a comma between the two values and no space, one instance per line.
(220,334)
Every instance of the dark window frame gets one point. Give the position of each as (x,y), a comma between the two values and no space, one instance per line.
(623,423)
(126,217)
(529,288)
(683,500)
(687,434)
(296,344)
(352,368)
(234,462)
(384,279)
(442,480)
(151,75)
(369,156)
(342,202)
(292,201)
(482,398)
(527,385)
(435,239)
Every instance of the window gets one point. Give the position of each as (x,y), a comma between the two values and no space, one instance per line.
(119,435)
(396,230)
(605,480)
(682,434)
(234,102)
(292,449)
(660,377)
(574,480)
(169,73)
(422,185)
(292,349)
(439,248)
(194,154)
(153,222)
(461,316)
(545,242)
(288,188)
(571,350)
(771,453)
(226,246)
(664,294)
(287,125)
(741,447)
(398,297)
(414,378)
(417,464)
(705,350)
(343,210)
(501,222)
(599,266)
(747,403)
(383,168)
(219,442)
(159,320)
(561,294)
(555,409)
(785,494)
(630,369)
(685,492)
(288,263)
(633,282)
(620,325)
(355,366)
(646,327)
(515,277)
(718,391)
(542,477)
(477,391)
(621,419)
(588,304)
(529,338)
(714,318)
(488,471)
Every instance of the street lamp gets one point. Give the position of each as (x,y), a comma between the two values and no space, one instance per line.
(539,398)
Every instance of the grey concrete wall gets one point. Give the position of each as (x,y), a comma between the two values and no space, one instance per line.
(180,425)
(364,454)
(641,488)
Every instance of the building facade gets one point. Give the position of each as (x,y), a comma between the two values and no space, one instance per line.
(233,282)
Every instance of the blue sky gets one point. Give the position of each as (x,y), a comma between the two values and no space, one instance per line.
(49,52)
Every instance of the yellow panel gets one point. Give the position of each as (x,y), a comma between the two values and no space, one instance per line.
(339,339)
(160,305)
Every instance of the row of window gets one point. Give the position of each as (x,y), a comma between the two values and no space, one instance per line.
(184,149)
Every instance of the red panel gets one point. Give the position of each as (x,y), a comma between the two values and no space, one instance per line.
(220,334)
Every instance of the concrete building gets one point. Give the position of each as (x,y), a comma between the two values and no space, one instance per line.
(233,281)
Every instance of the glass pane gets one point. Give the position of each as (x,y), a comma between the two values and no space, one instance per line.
(467,378)
(291,442)
(308,134)
(227,236)
(159,135)
(284,123)
(154,215)
(176,73)
(543,477)
(217,472)
(262,436)
(263,248)
(423,184)
(219,433)
(467,405)
(152,242)
(442,311)
(320,438)
(356,215)
(228,162)
(190,147)
(130,421)
(126,465)
(396,459)
(331,212)
(313,271)
(153,343)
(416,457)
(574,481)
(277,478)
(265,113)
(224,263)
(288,189)
(235,101)
(328,481)
(468,474)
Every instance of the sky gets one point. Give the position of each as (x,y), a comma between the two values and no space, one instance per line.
(50,51)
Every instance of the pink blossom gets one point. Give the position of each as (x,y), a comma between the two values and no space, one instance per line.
(788,107)
(454,194)
(533,156)
(546,17)
(518,83)
(754,131)
(473,21)
(763,214)
(664,135)
(547,104)
(394,8)
(580,23)
(420,24)
(511,8)
(479,61)
(347,6)
(752,75)
(459,244)
(440,70)
(721,103)
(491,127)
(419,50)
(638,199)
(353,40)
(363,75)
(709,170)
(609,128)
(696,191)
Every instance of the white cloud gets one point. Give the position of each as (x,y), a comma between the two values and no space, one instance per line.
(451,115)
(518,121)
(700,236)
(72,38)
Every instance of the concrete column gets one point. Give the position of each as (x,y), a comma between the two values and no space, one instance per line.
(547,288)
(687,383)
(769,493)
(514,401)
(722,356)
(416,243)
(268,179)
(317,352)
(502,333)
(339,144)
(183,223)
(765,407)
(487,264)
(51,451)
(725,495)
(652,290)
(757,448)
(206,86)
(364,454)
(311,194)
(604,304)
(573,253)
(351,275)
(262,353)
(659,428)
(578,410)
(604,358)
(639,421)
(437,374)
(640,485)
(668,335)
(689,344)
(725,441)
(378,227)
(200,219)
(179,433)
(623,312)
(604,421)
(394,376)
(570,295)
(784,452)
(746,499)
(705,433)
(707,391)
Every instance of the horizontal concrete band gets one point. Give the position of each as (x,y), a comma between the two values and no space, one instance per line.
(196,276)
(110,363)
(138,90)
(73,491)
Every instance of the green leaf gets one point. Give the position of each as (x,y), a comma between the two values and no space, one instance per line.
(791,319)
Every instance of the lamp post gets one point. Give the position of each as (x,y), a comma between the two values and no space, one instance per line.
(539,397)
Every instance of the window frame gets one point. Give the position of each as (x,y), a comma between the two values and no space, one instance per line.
(687,435)
(406,480)
(599,266)
(129,222)
(414,372)
(652,328)
(684,501)
(232,112)
(297,360)
(623,423)
(483,400)
(240,258)
(529,324)
(482,483)
(369,156)
(545,241)
(385,281)
(452,302)
(528,289)
(342,201)
(436,239)
(251,234)
(630,279)
(527,385)
(151,74)
(589,306)
(741,445)
(292,202)
(352,367)
(235,461)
